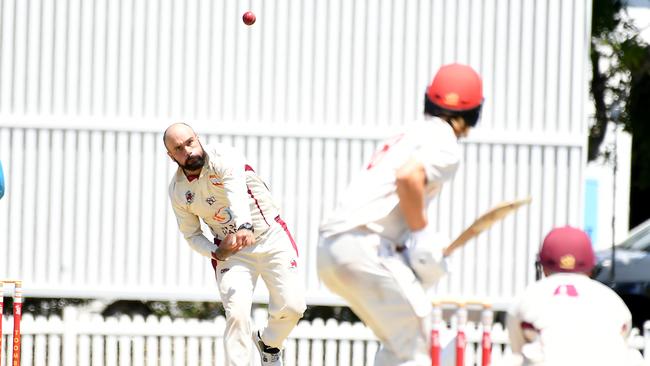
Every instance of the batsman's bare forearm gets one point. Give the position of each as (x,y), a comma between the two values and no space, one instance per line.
(410,182)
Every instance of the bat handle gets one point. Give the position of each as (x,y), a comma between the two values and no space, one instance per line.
(447,251)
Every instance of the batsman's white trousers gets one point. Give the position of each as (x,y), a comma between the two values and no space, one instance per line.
(274,257)
(383,291)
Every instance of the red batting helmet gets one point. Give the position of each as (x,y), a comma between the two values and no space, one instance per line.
(567,249)
(455,90)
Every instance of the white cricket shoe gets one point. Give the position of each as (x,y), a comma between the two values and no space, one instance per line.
(270,356)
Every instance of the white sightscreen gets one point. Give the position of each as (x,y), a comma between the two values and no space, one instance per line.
(87,87)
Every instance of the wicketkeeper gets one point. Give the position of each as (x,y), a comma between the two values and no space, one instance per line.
(566,318)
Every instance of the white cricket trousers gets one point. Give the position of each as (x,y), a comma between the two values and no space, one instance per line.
(382,291)
(274,257)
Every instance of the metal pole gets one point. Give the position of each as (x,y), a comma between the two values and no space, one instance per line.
(614,157)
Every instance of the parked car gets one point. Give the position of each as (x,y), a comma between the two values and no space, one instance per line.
(631,274)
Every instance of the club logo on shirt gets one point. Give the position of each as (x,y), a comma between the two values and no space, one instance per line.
(228,229)
(189,197)
(211,200)
(223,215)
(214,179)
(566,290)
(293,264)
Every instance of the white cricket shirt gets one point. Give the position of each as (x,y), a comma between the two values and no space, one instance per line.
(226,194)
(579,321)
(371,199)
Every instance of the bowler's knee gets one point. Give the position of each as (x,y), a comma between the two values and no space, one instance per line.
(297,309)
(292,310)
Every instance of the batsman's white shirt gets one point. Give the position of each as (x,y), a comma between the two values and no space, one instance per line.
(371,200)
(576,321)
(226,194)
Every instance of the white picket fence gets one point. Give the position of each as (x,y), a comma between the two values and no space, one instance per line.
(81,339)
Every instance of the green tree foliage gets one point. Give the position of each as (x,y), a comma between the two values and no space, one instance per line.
(639,124)
(620,87)
(618,58)
(606,18)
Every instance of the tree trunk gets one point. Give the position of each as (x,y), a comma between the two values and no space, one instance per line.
(598,86)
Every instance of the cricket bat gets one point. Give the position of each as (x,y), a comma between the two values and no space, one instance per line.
(488,219)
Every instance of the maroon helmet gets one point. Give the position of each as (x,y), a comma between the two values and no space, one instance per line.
(567,249)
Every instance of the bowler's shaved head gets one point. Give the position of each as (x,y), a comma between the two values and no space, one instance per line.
(183,147)
(176,129)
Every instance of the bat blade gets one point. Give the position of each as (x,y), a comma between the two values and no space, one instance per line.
(488,219)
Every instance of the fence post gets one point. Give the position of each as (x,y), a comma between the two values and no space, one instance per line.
(70,330)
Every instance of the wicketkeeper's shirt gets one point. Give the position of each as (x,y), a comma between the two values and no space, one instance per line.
(371,200)
(570,319)
(225,195)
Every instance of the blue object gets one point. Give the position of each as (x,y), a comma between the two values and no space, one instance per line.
(591,209)
(2,182)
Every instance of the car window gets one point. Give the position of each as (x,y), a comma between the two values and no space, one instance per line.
(640,242)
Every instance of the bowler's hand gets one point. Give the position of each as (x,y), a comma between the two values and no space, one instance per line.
(227,247)
(244,238)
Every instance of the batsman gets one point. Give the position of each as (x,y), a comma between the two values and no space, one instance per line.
(378,249)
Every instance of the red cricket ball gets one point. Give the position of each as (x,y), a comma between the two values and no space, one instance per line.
(248,18)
